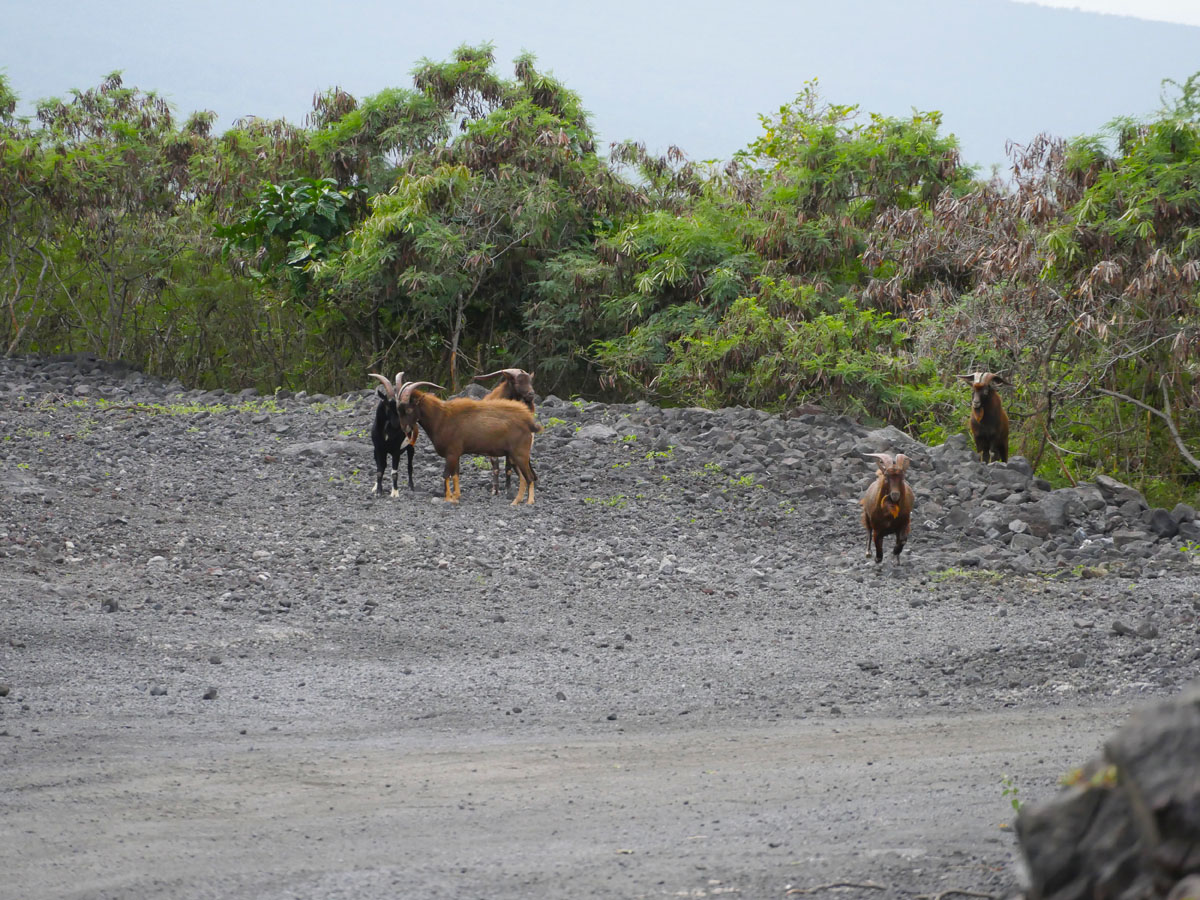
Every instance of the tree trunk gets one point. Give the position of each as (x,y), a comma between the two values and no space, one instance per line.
(459,317)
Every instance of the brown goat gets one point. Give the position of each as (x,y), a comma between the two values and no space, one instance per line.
(517,384)
(887,505)
(989,421)
(462,425)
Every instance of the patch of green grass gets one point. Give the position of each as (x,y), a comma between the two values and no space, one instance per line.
(1008,788)
(619,501)
(554,422)
(669,453)
(955,573)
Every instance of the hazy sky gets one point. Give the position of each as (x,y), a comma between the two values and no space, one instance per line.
(695,73)
(1183,12)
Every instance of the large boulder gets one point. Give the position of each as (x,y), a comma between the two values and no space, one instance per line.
(1118,493)
(1053,512)
(1128,825)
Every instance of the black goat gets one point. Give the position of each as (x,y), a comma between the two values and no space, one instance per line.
(390,435)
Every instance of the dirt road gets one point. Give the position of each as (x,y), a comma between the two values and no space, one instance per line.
(404,812)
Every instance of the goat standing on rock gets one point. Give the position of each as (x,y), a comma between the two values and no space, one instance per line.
(989,421)
(462,425)
(887,505)
(517,385)
(390,436)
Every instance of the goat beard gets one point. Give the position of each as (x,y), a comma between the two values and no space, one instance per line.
(889,506)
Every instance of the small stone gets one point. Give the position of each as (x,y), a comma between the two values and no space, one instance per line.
(559,695)
(158,691)
(1076,660)
(1187,888)
(210,694)
(1119,627)
(1147,630)
(4,689)
(1018,526)
(612,717)
(109,605)
(157,563)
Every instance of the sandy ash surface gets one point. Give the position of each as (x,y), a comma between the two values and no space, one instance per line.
(228,671)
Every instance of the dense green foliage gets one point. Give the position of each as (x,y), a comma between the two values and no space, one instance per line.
(469,222)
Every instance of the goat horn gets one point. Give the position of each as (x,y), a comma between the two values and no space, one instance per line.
(967,378)
(510,372)
(884,458)
(399,380)
(406,391)
(387,384)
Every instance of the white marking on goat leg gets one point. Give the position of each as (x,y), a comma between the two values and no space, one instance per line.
(395,492)
(529,502)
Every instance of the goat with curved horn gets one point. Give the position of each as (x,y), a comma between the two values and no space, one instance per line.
(516,384)
(887,504)
(390,436)
(462,425)
(988,422)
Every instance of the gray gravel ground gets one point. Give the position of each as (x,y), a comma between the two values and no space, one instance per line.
(227,671)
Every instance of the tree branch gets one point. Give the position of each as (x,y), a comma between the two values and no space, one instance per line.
(1165,416)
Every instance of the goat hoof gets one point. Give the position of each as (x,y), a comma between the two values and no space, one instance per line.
(395,493)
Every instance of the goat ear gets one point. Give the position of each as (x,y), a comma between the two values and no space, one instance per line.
(969,379)
(902,461)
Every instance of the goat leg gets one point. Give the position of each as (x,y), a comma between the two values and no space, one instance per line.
(496,476)
(381,458)
(411,450)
